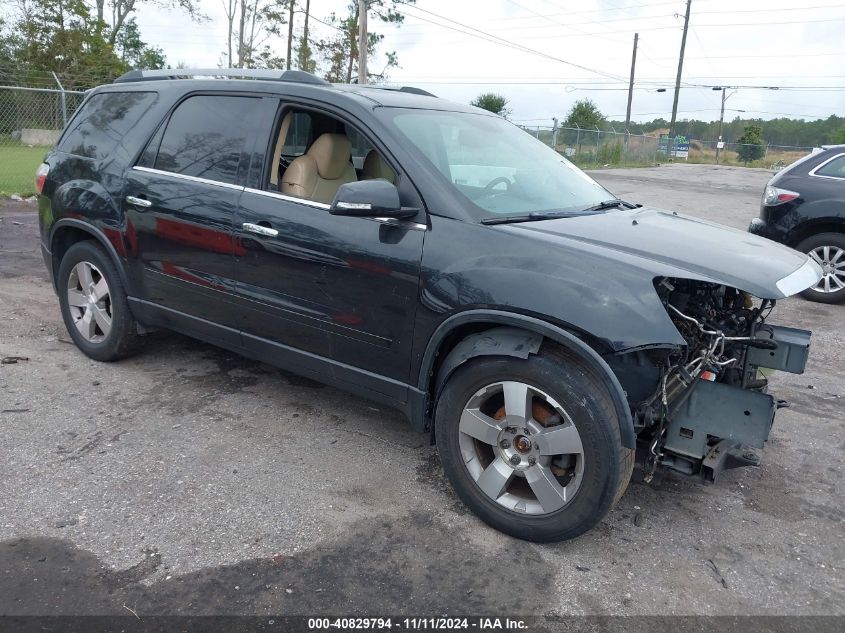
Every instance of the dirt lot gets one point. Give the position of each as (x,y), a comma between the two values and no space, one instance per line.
(188,480)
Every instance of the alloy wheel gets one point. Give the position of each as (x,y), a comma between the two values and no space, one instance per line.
(832,261)
(89,302)
(521,448)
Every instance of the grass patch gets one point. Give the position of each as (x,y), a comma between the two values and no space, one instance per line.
(17,166)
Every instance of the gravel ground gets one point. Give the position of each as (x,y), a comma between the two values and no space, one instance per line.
(189,480)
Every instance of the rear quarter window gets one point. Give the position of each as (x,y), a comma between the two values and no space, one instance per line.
(834,168)
(102,122)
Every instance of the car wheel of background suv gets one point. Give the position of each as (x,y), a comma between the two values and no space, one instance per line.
(93,304)
(533,445)
(828,251)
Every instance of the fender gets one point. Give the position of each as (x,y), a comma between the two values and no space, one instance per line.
(519,340)
(97,234)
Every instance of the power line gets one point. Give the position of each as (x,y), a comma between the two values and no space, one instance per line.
(772,9)
(669,28)
(498,40)
(564,83)
(570,26)
(549,18)
(567,13)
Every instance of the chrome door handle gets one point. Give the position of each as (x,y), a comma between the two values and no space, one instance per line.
(266,231)
(139,202)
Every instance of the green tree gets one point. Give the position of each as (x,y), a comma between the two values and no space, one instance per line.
(492,102)
(585,114)
(62,36)
(112,15)
(838,137)
(338,54)
(134,52)
(85,42)
(751,146)
(250,24)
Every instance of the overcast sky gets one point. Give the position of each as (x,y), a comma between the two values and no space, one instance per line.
(749,43)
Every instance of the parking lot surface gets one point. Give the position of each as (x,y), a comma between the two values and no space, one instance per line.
(188,480)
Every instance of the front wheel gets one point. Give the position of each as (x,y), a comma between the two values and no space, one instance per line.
(532,446)
(828,251)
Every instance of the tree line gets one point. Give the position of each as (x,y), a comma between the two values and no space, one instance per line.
(88,42)
(586,114)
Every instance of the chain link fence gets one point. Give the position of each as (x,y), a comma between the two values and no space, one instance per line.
(774,157)
(600,148)
(593,148)
(30,122)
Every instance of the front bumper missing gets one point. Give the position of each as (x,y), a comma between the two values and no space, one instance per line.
(721,426)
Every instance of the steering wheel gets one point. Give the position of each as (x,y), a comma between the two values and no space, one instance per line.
(488,188)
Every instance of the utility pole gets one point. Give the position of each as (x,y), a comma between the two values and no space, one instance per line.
(291,7)
(631,83)
(362,41)
(678,78)
(721,120)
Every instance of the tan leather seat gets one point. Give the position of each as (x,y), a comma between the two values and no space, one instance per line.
(319,172)
(376,167)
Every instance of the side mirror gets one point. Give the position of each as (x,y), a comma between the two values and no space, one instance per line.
(375,198)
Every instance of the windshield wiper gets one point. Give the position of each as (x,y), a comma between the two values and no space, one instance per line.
(614,203)
(528,217)
(551,215)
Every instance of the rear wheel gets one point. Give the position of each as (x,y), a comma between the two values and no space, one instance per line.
(828,251)
(532,446)
(93,304)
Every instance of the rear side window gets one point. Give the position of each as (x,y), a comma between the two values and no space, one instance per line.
(205,137)
(833,169)
(103,121)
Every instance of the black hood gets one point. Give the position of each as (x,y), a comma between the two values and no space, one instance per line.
(695,248)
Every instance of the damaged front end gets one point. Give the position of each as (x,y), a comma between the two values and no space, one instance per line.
(710,410)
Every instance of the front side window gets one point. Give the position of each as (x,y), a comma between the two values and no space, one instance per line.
(102,122)
(496,166)
(833,169)
(206,135)
(315,153)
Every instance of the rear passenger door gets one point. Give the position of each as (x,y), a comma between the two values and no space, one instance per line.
(334,296)
(180,201)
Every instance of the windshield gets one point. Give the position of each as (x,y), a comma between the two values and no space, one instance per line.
(499,168)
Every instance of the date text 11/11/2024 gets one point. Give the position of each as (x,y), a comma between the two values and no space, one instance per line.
(418,624)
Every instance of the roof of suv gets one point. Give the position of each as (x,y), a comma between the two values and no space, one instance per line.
(284,82)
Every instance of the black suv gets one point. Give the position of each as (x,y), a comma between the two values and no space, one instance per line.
(804,207)
(430,256)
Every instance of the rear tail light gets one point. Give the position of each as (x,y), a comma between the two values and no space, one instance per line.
(773,196)
(41,176)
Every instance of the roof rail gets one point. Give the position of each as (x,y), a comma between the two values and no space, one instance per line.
(417,91)
(409,89)
(297,76)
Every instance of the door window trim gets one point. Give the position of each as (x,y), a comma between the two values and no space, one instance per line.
(287,198)
(205,181)
(819,166)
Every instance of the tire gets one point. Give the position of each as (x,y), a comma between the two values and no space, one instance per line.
(555,380)
(96,316)
(828,250)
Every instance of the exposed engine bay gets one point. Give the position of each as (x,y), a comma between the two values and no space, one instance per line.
(703,408)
